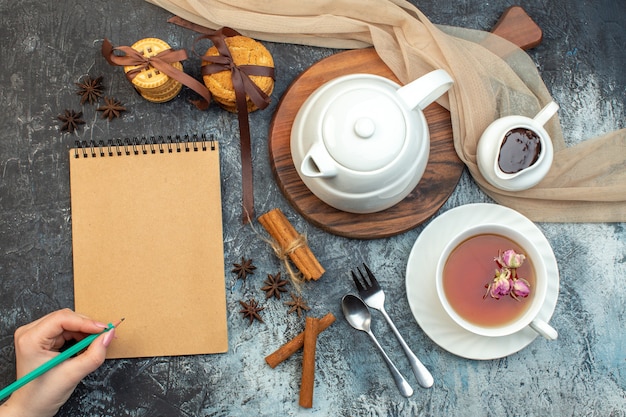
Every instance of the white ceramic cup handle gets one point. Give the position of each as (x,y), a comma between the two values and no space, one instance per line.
(546,113)
(426,89)
(544,329)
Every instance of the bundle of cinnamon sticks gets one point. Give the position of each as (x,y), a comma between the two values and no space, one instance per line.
(291,244)
(308,341)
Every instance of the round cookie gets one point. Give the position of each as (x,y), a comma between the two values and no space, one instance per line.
(244,51)
(167,95)
(232,106)
(151,83)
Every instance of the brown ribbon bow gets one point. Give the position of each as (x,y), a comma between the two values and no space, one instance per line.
(162,61)
(244,87)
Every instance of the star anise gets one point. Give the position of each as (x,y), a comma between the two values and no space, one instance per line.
(112,108)
(71,120)
(297,304)
(274,285)
(90,90)
(251,310)
(244,268)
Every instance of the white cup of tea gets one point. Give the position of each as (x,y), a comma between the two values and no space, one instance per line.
(468,264)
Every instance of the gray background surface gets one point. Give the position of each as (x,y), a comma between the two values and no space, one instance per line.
(46,47)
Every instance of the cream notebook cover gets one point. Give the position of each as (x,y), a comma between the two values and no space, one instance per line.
(147,246)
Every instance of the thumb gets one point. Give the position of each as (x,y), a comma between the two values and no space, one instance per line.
(92,357)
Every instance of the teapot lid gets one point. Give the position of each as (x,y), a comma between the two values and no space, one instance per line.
(363,125)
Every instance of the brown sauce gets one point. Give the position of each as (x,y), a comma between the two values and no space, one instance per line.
(520,149)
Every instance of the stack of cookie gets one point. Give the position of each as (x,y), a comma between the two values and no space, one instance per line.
(244,51)
(152,84)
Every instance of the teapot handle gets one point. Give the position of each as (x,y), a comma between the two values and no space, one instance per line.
(426,89)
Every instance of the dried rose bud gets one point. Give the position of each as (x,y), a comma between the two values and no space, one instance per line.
(501,285)
(520,288)
(510,259)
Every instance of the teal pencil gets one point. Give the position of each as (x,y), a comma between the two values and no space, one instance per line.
(60,358)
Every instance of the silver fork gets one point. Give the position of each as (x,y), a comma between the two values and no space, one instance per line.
(374,297)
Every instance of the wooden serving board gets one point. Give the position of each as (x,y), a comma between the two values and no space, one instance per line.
(442,172)
(440,177)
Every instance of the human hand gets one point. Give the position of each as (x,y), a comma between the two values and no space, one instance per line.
(40,341)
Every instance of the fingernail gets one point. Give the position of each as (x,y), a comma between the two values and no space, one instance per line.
(99,324)
(108,337)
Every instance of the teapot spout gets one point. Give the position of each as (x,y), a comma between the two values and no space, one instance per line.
(317,163)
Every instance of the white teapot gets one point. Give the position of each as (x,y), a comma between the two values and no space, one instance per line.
(360,142)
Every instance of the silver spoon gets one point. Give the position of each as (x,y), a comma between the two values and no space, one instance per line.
(359,317)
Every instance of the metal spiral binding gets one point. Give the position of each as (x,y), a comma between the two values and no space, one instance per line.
(143,146)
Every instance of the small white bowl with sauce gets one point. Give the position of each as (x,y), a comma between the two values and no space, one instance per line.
(515,152)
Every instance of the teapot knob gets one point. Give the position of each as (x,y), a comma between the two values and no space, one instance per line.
(364,127)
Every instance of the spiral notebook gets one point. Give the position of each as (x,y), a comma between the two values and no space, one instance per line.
(147,244)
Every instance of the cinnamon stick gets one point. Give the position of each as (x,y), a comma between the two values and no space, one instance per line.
(291,242)
(308,362)
(296,343)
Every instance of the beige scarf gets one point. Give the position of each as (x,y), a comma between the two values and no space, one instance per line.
(493,78)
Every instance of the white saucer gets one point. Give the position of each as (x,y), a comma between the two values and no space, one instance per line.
(422,294)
